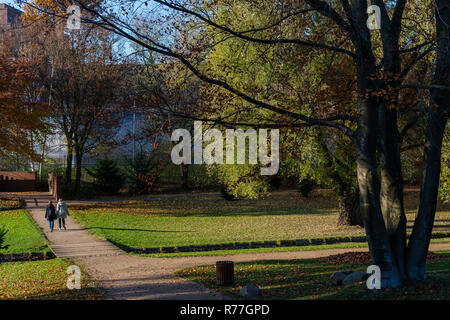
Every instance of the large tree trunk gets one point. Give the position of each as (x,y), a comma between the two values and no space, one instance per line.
(423,224)
(349,212)
(184,176)
(369,187)
(43,151)
(391,191)
(437,118)
(69,164)
(33,168)
(366,143)
(79,160)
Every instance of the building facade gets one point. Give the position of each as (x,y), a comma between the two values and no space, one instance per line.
(9,17)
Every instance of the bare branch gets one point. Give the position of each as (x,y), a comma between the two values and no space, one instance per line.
(241,34)
(330,122)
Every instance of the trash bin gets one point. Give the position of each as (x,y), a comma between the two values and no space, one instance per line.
(225,273)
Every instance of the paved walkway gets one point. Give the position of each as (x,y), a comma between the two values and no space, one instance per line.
(124,276)
(75,241)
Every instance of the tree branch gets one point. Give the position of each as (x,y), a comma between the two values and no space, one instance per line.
(167,52)
(241,34)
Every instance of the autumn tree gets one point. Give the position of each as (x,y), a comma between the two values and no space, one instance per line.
(296,76)
(20,117)
(164,94)
(82,78)
(381,57)
(82,81)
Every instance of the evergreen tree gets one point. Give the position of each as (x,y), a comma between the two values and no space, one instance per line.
(108,178)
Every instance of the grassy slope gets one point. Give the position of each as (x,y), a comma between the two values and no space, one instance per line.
(42,280)
(190,221)
(22,236)
(309,279)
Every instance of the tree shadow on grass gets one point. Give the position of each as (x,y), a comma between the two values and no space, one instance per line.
(216,212)
(271,206)
(140,230)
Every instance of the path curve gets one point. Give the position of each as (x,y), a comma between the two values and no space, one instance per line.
(124,276)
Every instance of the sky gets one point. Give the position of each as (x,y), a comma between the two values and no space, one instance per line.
(12,3)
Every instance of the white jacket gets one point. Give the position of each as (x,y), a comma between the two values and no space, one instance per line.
(61,210)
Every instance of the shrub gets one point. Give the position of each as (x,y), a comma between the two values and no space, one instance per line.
(226,194)
(275,183)
(306,186)
(11,203)
(108,178)
(2,238)
(141,173)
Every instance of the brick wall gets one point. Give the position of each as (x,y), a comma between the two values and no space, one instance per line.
(55,185)
(8,16)
(17,181)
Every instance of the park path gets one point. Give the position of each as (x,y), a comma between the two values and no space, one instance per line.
(67,243)
(124,276)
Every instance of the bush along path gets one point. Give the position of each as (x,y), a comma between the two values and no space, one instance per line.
(258,244)
(123,276)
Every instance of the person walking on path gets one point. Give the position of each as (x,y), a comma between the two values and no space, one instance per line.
(50,215)
(62,211)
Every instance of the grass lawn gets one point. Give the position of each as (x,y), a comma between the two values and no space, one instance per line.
(213,220)
(309,279)
(23,235)
(44,279)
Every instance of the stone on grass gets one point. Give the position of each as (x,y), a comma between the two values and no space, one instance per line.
(249,291)
(356,276)
(339,276)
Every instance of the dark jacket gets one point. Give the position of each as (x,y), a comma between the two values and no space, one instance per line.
(50,212)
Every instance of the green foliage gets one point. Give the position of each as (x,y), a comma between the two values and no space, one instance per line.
(108,178)
(284,76)
(444,187)
(241,181)
(329,161)
(140,173)
(199,176)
